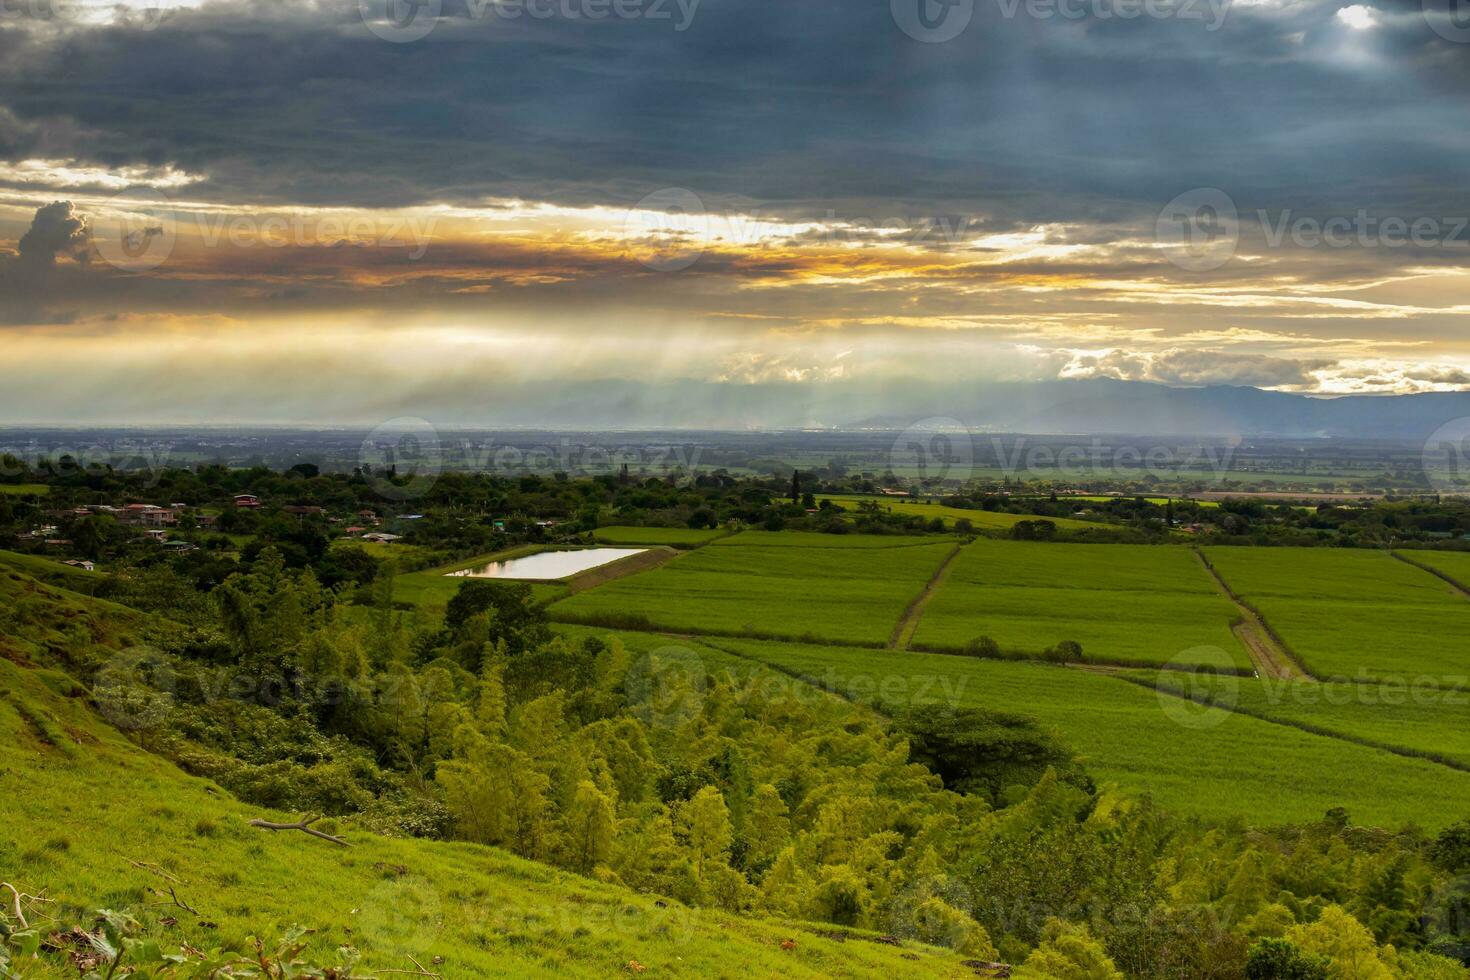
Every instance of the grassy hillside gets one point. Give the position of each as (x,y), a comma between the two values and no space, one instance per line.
(52,572)
(93,821)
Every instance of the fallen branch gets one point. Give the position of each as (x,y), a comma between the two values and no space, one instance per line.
(303,825)
(174,900)
(19,915)
(420,972)
(155,869)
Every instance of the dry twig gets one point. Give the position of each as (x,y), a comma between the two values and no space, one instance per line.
(19,915)
(303,825)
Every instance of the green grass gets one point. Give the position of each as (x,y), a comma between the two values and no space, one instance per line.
(24,489)
(83,804)
(1129,604)
(1454,565)
(383,551)
(53,571)
(1342,612)
(820,540)
(849,588)
(1144,742)
(1432,722)
(982,519)
(676,536)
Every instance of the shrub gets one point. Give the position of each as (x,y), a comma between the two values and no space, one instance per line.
(982,646)
(1282,959)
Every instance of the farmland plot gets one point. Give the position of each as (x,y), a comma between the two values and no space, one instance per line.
(1231,764)
(1125,604)
(1345,612)
(850,588)
(1433,722)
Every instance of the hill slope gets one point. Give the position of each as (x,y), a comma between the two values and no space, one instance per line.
(94,821)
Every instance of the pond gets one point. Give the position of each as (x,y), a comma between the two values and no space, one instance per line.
(549,565)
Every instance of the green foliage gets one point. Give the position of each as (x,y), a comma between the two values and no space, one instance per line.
(1281,959)
(985,753)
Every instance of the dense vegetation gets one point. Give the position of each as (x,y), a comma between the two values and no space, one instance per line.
(1064,821)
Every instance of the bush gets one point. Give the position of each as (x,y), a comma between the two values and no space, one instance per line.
(982,646)
(1281,959)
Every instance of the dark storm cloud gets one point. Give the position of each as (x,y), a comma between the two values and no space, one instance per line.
(804,108)
(56,230)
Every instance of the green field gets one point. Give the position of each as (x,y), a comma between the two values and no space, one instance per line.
(1126,604)
(1454,565)
(676,536)
(97,822)
(850,588)
(1347,612)
(1433,722)
(24,489)
(982,519)
(1127,735)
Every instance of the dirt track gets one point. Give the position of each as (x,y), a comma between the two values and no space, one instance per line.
(903,632)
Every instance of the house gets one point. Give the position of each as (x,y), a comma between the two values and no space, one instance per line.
(83,564)
(382,538)
(156,534)
(179,547)
(247,500)
(147,515)
(354,530)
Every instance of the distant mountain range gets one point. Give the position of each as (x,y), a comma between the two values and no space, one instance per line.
(1092,406)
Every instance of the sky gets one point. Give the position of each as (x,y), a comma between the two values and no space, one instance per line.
(348,210)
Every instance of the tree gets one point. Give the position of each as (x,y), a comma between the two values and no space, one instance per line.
(1345,942)
(982,646)
(769,827)
(515,617)
(979,751)
(706,825)
(1067,952)
(795,486)
(591,823)
(1281,959)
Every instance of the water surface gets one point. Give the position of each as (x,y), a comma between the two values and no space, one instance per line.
(549,565)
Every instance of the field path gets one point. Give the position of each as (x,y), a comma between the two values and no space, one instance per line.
(1458,587)
(1270,658)
(903,632)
